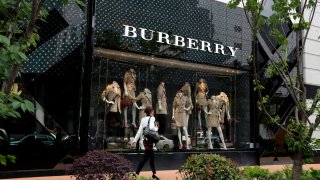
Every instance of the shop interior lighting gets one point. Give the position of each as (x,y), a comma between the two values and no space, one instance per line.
(165,62)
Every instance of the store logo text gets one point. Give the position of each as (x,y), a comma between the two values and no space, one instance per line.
(162,37)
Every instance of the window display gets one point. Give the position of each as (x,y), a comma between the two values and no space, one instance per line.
(155,67)
(214,120)
(161,108)
(186,122)
(179,115)
(186,90)
(129,85)
(224,108)
(201,92)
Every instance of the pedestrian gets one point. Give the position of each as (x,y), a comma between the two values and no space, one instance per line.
(148,153)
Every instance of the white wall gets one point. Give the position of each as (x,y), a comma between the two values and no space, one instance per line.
(311,66)
(312,51)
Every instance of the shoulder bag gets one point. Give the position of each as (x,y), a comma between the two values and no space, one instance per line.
(150,135)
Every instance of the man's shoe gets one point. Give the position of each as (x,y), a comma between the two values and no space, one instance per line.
(155,177)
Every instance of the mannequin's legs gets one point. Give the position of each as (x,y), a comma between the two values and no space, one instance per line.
(187,117)
(221,137)
(134,116)
(141,143)
(179,137)
(125,115)
(199,120)
(187,137)
(205,109)
(209,138)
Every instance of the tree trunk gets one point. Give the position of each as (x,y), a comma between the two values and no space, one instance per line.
(36,7)
(6,86)
(297,166)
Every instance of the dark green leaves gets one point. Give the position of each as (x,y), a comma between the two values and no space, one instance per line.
(10,104)
(298,139)
(257,85)
(28,105)
(80,2)
(209,166)
(4,159)
(4,40)
(233,4)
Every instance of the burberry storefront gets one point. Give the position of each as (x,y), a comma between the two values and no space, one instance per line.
(186,59)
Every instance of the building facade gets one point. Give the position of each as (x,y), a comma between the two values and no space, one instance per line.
(186,59)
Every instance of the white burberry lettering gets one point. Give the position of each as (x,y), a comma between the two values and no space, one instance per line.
(162,37)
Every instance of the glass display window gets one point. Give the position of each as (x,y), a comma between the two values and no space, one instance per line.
(190,57)
(195,105)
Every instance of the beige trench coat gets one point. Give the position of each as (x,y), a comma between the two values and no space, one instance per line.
(112,93)
(161,96)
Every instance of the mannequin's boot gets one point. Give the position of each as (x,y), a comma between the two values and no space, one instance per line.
(210,145)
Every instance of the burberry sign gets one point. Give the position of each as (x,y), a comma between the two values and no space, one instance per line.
(162,37)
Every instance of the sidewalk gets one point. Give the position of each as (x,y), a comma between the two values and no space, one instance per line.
(165,175)
(169,174)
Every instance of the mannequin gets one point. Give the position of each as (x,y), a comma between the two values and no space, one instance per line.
(129,84)
(161,108)
(225,109)
(214,121)
(111,95)
(201,92)
(179,112)
(186,90)
(146,101)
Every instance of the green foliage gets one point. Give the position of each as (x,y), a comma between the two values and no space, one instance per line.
(298,138)
(258,85)
(4,159)
(285,174)
(250,59)
(279,65)
(316,143)
(15,41)
(279,37)
(251,173)
(209,166)
(257,173)
(263,102)
(311,174)
(254,8)
(10,104)
(80,2)
(301,26)
(233,4)
(130,176)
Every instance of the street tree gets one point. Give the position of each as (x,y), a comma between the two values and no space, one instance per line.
(299,130)
(18,34)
